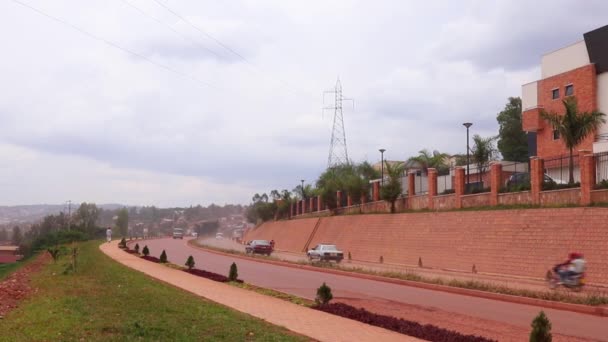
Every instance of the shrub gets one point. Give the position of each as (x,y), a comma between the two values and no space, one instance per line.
(323,294)
(136,248)
(54,252)
(419,261)
(146,251)
(122,243)
(210,275)
(233,274)
(163,257)
(151,258)
(190,262)
(541,329)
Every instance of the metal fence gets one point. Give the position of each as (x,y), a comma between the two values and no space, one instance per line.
(558,169)
(515,176)
(601,167)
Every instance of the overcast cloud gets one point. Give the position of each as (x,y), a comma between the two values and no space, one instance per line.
(84,121)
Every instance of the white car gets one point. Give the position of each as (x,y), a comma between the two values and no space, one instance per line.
(178,233)
(325,252)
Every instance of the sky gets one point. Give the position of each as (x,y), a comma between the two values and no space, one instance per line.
(178,103)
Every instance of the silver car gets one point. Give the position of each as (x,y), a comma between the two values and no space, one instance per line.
(325,252)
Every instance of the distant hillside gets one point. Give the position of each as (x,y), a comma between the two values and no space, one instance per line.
(35,212)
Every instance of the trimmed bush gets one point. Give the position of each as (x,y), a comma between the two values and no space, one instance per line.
(122,243)
(136,248)
(323,295)
(163,257)
(541,329)
(190,262)
(145,251)
(233,274)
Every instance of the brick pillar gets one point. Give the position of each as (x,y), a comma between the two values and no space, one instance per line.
(537,167)
(311,204)
(363,199)
(304,209)
(495,182)
(587,163)
(458,186)
(432,180)
(320,205)
(411,187)
(339,198)
(349,200)
(376,191)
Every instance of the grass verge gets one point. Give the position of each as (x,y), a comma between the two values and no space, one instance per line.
(6,269)
(106,301)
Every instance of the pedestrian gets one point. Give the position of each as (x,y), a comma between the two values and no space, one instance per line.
(109,234)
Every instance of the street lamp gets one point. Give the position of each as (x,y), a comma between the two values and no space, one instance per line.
(302,188)
(467,125)
(382,163)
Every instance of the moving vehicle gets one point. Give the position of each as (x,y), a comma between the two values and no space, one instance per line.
(178,233)
(219,236)
(259,247)
(325,252)
(574,283)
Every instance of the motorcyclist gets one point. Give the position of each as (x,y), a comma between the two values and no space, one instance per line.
(573,267)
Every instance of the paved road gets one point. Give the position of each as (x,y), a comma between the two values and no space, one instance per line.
(304,283)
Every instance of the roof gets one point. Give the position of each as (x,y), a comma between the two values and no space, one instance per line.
(9,248)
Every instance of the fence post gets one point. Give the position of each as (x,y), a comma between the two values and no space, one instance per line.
(320,205)
(349,200)
(495,182)
(311,204)
(536,178)
(376,191)
(458,186)
(587,163)
(339,198)
(432,185)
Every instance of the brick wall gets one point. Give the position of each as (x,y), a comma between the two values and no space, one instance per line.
(599,196)
(560,197)
(523,242)
(419,202)
(476,200)
(513,198)
(444,202)
(584,80)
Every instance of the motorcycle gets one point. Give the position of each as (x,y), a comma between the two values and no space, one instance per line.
(574,283)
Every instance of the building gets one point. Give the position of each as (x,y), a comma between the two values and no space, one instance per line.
(579,70)
(9,254)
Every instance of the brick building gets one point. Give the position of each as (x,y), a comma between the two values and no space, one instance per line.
(579,70)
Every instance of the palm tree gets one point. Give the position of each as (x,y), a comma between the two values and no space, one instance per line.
(391,190)
(483,152)
(573,126)
(428,160)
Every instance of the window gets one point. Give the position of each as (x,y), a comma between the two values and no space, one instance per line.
(555,134)
(555,94)
(569,90)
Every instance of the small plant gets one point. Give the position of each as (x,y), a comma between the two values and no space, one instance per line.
(233,274)
(381,259)
(163,257)
(146,251)
(323,295)
(190,262)
(541,329)
(54,252)
(419,261)
(136,248)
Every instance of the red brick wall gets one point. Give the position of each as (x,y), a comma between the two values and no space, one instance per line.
(512,198)
(599,196)
(560,197)
(584,80)
(444,202)
(523,242)
(419,202)
(477,200)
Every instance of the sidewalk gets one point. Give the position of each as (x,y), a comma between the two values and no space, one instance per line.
(312,323)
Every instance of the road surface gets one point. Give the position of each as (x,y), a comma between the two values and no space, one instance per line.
(304,283)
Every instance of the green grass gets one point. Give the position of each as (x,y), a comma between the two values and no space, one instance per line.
(7,269)
(106,301)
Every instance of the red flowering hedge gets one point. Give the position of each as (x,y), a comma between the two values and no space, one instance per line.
(414,329)
(210,275)
(151,258)
(130,251)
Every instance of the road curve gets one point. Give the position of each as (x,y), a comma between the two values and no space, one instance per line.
(304,283)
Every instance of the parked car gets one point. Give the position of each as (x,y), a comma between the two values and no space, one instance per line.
(178,233)
(259,247)
(219,236)
(325,252)
(523,178)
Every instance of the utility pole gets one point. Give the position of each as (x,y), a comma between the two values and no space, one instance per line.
(338,153)
(69,214)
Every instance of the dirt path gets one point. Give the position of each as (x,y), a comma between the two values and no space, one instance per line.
(16,286)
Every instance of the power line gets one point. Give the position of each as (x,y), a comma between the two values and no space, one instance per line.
(112,44)
(183,36)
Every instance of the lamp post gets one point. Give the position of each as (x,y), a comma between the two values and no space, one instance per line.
(303,195)
(382,163)
(467,125)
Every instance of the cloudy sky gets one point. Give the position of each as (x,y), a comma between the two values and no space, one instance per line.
(124,101)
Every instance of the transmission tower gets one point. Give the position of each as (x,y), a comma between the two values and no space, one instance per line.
(338,153)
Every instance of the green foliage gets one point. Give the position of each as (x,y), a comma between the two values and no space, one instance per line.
(86,218)
(573,126)
(323,294)
(145,251)
(122,243)
(122,222)
(512,140)
(233,275)
(351,179)
(190,262)
(17,236)
(261,210)
(54,252)
(35,241)
(3,235)
(163,257)
(391,190)
(437,160)
(541,329)
(483,152)
(136,248)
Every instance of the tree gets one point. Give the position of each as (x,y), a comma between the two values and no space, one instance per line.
(163,257)
(233,274)
(512,140)
(86,216)
(122,222)
(573,127)
(190,262)
(428,160)
(145,251)
(3,235)
(324,294)
(482,153)
(17,236)
(541,329)
(391,190)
